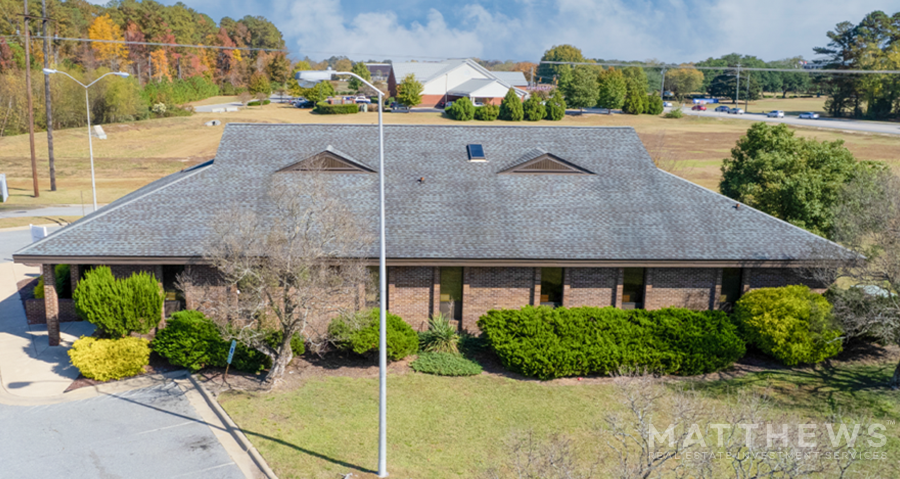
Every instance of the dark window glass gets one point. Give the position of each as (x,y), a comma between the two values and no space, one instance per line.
(451,292)
(551,286)
(170,281)
(476,152)
(373,291)
(633,289)
(731,285)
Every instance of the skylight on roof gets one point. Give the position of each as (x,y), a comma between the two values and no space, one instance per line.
(476,152)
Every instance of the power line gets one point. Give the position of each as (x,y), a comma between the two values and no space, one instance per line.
(181,45)
(672,67)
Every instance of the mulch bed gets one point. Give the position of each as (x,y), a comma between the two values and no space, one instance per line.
(158,365)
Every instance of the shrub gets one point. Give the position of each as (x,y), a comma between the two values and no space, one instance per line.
(462,110)
(445,364)
(634,102)
(441,336)
(792,324)
(534,109)
(108,359)
(549,343)
(63,283)
(556,106)
(359,333)
(675,112)
(487,112)
(654,105)
(511,107)
(256,102)
(119,306)
(323,108)
(190,340)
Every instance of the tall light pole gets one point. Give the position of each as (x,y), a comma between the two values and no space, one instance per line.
(87,104)
(308,79)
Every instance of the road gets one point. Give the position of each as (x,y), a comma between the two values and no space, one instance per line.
(209,108)
(52,211)
(14,239)
(146,433)
(830,123)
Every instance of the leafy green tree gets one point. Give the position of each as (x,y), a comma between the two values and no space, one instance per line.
(581,89)
(259,83)
(654,104)
(612,90)
(360,69)
(684,80)
(462,109)
(279,68)
(556,106)
(796,179)
(560,53)
(634,102)
(409,91)
(487,112)
(320,92)
(511,107)
(636,78)
(533,109)
(723,86)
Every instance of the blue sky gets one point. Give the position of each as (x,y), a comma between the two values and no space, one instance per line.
(668,30)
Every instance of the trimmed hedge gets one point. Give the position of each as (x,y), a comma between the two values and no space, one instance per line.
(359,334)
(256,102)
(108,359)
(445,364)
(792,324)
(323,108)
(119,306)
(549,343)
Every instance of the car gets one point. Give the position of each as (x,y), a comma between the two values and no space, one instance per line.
(775,114)
(449,104)
(362,99)
(304,104)
(722,108)
(735,111)
(477,103)
(809,115)
(667,104)
(699,107)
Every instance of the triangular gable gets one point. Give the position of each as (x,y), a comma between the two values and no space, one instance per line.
(538,161)
(330,160)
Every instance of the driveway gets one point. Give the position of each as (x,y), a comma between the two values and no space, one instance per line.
(145,433)
(830,123)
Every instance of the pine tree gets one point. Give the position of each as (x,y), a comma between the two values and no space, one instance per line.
(556,106)
(533,108)
(511,107)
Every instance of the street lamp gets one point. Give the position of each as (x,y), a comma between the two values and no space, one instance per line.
(309,79)
(87,103)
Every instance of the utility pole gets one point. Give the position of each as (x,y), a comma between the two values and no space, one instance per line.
(662,85)
(37,192)
(47,98)
(737,86)
(747,100)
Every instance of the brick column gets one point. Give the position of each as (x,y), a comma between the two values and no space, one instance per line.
(715,300)
(648,288)
(468,324)
(565,299)
(74,276)
(745,280)
(51,303)
(435,291)
(620,284)
(536,291)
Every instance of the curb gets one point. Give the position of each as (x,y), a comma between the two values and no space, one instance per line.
(9,399)
(234,430)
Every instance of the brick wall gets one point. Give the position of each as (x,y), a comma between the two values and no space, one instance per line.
(589,286)
(494,288)
(410,293)
(35,311)
(125,270)
(692,288)
(777,277)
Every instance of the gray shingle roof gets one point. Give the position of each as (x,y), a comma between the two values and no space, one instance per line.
(626,210)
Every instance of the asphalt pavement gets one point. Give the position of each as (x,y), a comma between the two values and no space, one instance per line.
(61,210)
(145,433)
(830,123)
(14,239)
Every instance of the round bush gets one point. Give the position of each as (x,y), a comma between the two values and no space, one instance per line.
(445,364)
(108,359)
(487,112)
(119,306)
(359,334)
(533,108)
(462,110)
(548,343)
(792,324)
(190,340)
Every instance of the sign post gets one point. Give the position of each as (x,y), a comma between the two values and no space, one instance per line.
(230,356)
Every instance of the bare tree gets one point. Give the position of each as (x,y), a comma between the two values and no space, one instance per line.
(261,97)
(867,222)
(244,98)
(290,264)
(532,458)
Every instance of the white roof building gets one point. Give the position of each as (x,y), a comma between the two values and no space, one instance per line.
(458,78)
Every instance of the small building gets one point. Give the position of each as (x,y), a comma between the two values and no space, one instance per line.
(450,80)
(380,72)
(477,218)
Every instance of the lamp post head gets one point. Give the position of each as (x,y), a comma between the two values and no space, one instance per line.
(309,78)
(121,74)
(49,71)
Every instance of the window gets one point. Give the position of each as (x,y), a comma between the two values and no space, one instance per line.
(170,281)
(551,286)
(633,289)
(451,292)
(373,288)
(731,287)
(476,152)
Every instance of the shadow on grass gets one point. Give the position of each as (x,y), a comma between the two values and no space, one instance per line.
(308,452)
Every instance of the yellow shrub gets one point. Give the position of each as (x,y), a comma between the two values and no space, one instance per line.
(107,359)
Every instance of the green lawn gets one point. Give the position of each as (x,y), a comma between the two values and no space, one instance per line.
(457,427)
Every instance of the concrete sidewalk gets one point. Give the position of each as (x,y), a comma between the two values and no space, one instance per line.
(61,210)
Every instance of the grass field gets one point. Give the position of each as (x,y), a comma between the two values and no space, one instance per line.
(36,220)
(457,427)
(790,106)
(139,152)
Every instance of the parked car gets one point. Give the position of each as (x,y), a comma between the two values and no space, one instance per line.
(448,104)
(809,115)
(735,111)
(304,104)
(775,114)
(699,107)
(477,103)
(667,104)
(362,99)
(722,108)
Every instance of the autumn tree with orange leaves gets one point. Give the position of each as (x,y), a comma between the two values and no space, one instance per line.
(113,54)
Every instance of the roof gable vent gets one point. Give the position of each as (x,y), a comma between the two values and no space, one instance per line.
(330,161)
(541,162)
(476,152)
